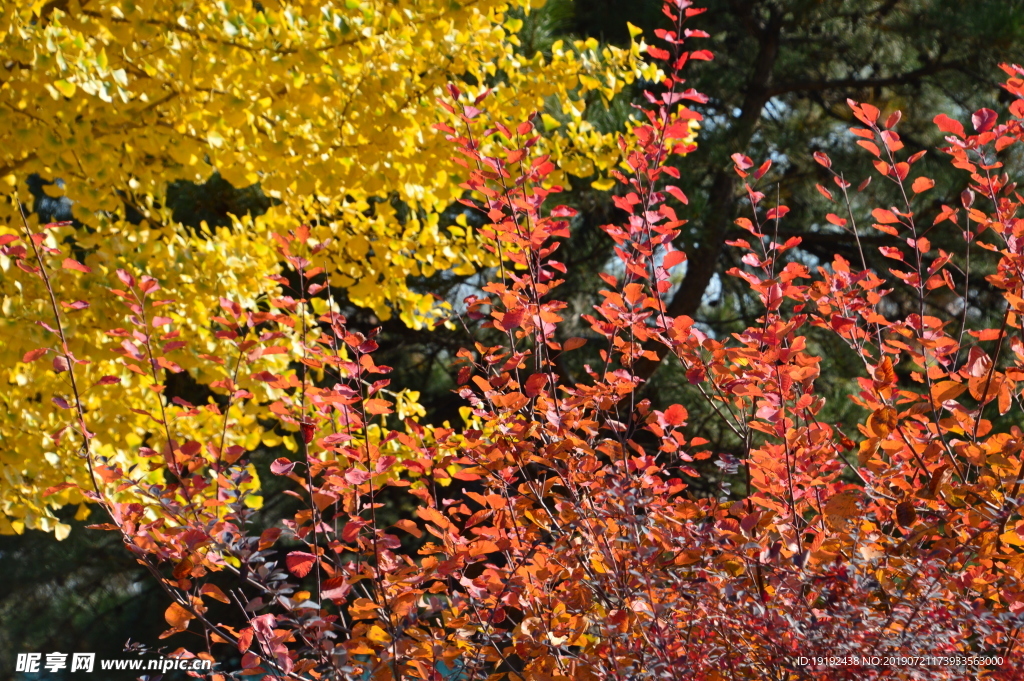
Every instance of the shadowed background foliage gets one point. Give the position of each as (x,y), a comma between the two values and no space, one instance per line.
(777,89)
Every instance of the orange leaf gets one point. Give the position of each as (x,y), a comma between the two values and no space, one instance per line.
(178,617)
(245,639)
(884,372)
(947,390)
(841,508)
(886,217)
(410,527)
(922,184)
(214,592)
(574,343)
(377,406)
(882,422)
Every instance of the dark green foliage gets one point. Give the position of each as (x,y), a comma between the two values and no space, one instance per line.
(214,202)
(85,594)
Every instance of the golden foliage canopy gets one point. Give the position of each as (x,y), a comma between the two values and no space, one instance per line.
(328,105)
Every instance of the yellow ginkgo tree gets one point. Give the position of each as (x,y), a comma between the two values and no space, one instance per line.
(327,105)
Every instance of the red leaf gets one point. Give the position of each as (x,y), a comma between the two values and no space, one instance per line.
(268,537)
(244,640)
(823,159)
(886,217)
(658,53)
(33,355)
(50,491)
(678,194)
(351,530)
(126,279)
(673,258)
(61,402)
(870,111)
(169,365)
(535,384)
(865,113)
(511,320)
(357,476)
(892,140)
(890,252)
(675,415)
(987,334)
(947,124)
(870,146)
(984,119)
(300,563)
(916,157)
(282,466)
(742,162)
(70,264)
(335,588)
